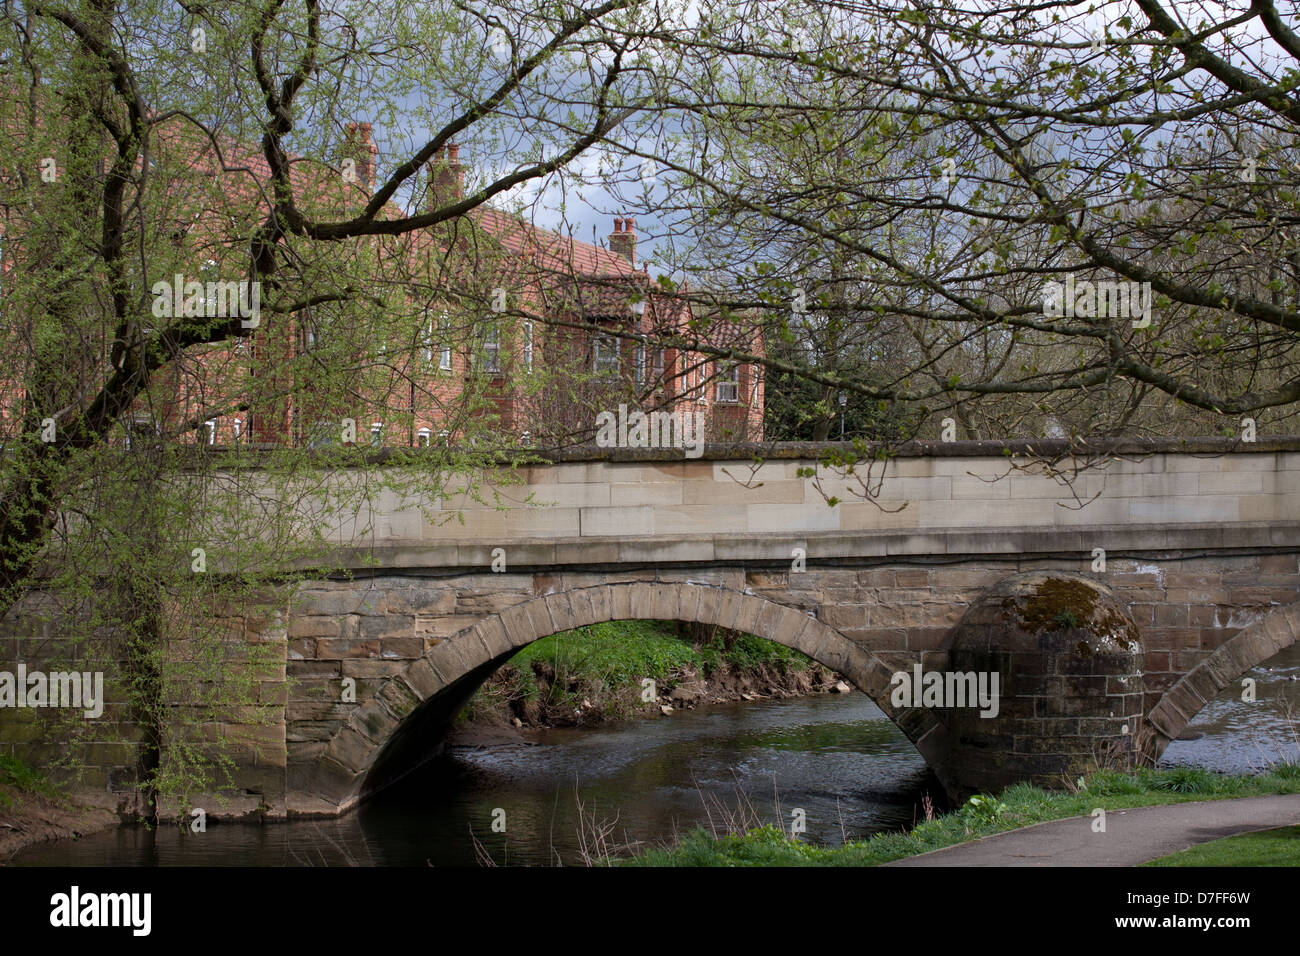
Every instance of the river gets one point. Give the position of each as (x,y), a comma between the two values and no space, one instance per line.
(837,758)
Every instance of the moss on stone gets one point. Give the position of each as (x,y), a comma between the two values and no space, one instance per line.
(1062,604)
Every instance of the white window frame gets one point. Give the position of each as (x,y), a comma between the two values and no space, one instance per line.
(640,362)
(605,364)
(528,345)
(422,438)
(376,434)
(210,271)
(728,386)
(436,329)
(491,346)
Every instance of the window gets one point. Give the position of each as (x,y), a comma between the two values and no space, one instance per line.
(728,382)
(239,428)
(212,430)
(640,363)
(604,356)
(422,438)
(436,331)
(322,434)
(528,346)
(377,434)
(208,273)
(492,347)
(311,337)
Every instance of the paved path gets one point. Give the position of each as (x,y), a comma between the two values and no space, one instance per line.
(1131,837)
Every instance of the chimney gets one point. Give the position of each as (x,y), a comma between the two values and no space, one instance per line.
(623,240)
(359,148)
(446,176)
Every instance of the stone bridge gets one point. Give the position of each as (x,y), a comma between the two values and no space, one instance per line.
(1196,542)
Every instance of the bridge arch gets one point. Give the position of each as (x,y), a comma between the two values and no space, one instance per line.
(432,688)
(1248,648)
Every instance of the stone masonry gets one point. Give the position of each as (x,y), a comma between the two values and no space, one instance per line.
(1201,548)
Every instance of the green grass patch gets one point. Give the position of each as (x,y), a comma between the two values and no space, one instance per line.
(1280,847)
(16,775)
(1018,806)
(747,652)
(616,656)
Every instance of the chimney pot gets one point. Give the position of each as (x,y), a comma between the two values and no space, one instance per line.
(446,175)
(362,151)
(622,241)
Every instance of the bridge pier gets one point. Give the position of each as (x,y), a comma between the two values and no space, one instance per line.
(1067,660)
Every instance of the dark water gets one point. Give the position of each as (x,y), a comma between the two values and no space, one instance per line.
(835,757)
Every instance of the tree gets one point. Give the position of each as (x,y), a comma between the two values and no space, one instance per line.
(1026,145)
(131,163)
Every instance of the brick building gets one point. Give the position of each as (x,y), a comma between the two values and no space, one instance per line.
(486,303)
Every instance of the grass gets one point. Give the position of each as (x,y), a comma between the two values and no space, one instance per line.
(616,653)
(614,657)
(17,776)
(1017,806)
(1280,847)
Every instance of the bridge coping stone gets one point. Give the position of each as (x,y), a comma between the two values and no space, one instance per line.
(779,547)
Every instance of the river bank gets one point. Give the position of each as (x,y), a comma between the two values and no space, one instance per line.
(631,669)
(1015,808)
(32,812)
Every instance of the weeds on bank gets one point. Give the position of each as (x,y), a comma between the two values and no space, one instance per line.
(1018,806)
(18,778)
